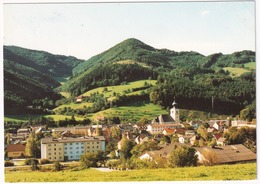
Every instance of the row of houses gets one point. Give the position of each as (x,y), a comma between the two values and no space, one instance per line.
(222,155)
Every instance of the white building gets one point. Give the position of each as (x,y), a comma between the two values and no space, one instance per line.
(70,148)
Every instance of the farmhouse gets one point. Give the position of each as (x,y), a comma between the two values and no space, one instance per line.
(70,148)
(227,154)
(15,150)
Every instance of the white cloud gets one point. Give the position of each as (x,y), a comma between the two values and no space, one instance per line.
(205,12)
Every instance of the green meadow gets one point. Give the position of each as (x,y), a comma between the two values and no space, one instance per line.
(221,172)
(133,112)
(251,65)
(235,72)
(120,89)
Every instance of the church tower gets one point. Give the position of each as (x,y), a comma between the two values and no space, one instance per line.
(174,112)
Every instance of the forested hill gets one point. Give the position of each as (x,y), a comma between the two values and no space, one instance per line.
(132,57)
(29,77)
(49,64)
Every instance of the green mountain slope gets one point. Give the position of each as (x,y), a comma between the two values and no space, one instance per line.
(29,77)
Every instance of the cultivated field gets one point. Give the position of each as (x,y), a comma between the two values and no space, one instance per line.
(223,172)
(251,65)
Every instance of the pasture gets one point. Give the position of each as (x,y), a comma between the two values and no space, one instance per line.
(221,172)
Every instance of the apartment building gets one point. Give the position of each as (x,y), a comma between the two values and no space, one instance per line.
(70,148)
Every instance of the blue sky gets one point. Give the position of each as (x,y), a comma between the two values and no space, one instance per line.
(84,30)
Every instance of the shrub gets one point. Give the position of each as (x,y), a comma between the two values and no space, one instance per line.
(57,166)
(8,163)
(33,162)
(30,161)
(44,161)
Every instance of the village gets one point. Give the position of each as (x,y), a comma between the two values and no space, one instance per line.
(210,139)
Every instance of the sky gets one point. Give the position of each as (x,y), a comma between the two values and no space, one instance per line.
(86,29)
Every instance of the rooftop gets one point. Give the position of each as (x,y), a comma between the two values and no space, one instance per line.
(71,139)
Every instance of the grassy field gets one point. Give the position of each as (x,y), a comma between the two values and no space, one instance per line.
(65,94)
(58,117)
(222,172)
(133,112)
(74,105)
(23,118)
(236,72)
(251,65)
(119,88)
(131,62)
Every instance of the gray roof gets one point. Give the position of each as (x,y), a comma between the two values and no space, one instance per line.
(230,153)
(71,139)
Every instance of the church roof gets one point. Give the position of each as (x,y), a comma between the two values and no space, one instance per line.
(165,118)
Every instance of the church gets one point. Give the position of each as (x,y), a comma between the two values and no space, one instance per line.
(173,117)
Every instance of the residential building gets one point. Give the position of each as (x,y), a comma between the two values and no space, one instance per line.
(168,131)
(70,148)
(158,128)
(15,150)
(227,154)
(241,123)
(141,138)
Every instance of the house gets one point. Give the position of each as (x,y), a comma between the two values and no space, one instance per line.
(158,128)
(173,117)
(221,141)
(180,131)
(15,150)
(79,99)
(241,123)
(190,132)
(217,136)
(23,131)
(219,125)
(168,131)
(227,154)
(185,139)
(163,152)
(141,138)
(70,148)
(195,124)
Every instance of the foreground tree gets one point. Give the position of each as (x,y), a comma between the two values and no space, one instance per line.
(31,149)
(183,156)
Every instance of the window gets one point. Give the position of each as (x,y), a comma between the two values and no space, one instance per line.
(82,143)
(49,158)
(88,147)
(77,147)
(70,147)
(55,158)
(82,147)
(65,143)
(54,153)
(77,152)
(59,148)
(71,152)
(49,149)
(54,144)
(65,152)
(54,149)
(97,146)
(77,143)
(49,154)
(82,151)
(70,143)
(60,157)
(71,156)
(92,146)
(65,148)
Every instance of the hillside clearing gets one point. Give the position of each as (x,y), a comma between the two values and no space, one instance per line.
(236,72)
(221,172)
(58,117)
(251,65)
(119,88)
(133,112)
(131,62)
(74,106)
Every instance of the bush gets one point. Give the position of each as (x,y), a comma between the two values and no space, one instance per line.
(44,161)
(33,162)
(30,161)
(57,166)
(8,163)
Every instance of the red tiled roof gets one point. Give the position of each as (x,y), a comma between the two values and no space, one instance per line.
(15,147)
